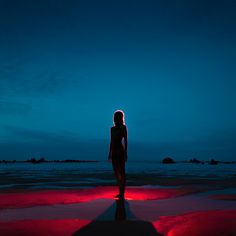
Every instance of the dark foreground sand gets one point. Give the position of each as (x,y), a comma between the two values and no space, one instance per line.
(185,210)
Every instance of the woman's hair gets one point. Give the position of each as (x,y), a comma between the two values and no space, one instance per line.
(118,118)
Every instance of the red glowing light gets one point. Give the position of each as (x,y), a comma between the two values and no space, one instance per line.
(49,197)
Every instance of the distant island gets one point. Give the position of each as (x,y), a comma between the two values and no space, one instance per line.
(43,160)
(169,160)
(210,162)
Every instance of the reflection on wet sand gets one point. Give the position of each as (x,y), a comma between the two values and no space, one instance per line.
(124,223)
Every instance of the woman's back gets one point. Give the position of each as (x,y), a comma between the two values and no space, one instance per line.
(117,133)
(118,149)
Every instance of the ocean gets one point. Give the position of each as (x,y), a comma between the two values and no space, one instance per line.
(88,174)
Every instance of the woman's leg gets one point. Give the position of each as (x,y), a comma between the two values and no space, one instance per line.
(122,178)
(116,172)
(119,171)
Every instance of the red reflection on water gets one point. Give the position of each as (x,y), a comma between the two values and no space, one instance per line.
(154,194)
(217,223)
(49,197)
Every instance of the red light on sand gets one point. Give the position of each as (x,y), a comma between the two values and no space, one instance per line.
(217,223)
(63,227)
(45,197)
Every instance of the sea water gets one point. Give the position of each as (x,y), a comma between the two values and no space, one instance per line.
(84,174)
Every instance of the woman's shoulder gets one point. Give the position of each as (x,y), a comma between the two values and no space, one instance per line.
(123,128)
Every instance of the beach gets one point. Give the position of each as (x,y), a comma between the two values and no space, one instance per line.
(161,202)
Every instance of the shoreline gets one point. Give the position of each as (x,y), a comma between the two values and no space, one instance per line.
(181,211)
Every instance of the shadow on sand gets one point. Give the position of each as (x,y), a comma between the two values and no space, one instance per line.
(120,226)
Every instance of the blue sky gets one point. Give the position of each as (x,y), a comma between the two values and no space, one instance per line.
(66,66)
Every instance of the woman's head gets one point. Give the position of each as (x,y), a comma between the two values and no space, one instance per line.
(118,118)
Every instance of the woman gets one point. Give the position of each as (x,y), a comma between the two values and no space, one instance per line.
(118,150)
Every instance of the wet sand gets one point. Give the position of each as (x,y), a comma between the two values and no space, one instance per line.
(192,208)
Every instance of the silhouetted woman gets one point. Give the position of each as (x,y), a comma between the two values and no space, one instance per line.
(118,150)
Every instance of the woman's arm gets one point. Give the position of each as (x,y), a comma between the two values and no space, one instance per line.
(110,148)
(126,142)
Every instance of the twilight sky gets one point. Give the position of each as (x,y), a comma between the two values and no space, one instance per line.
(67,65)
